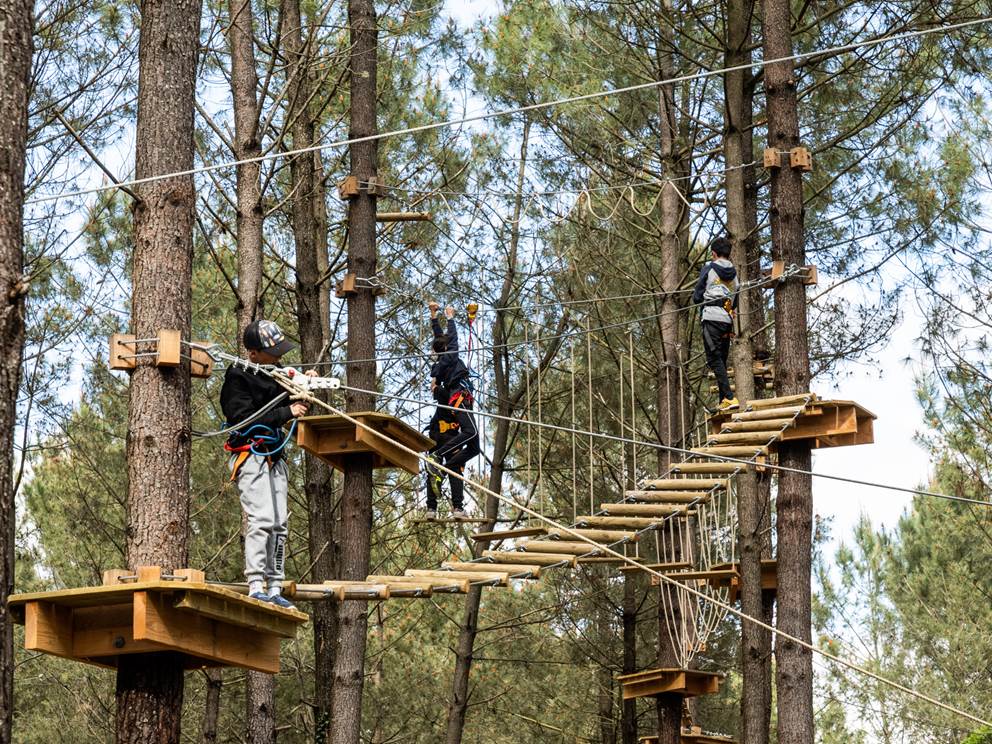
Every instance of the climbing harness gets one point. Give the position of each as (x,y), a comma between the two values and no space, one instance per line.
(266,437)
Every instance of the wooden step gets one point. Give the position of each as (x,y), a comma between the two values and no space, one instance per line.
(610,560)
(561,546)
(783,400)
(508,534)
(769,413)
(743,452)
(694,575)
(401,587)
(745,437)
(711,468)
(521,571)
(669,497)
(637,523)
(453,585)
(601,536)
(496,578)
(683,484)
(761,425)
(513,557)
(359,589)
(642,510)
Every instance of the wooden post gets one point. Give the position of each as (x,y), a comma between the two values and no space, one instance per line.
(356,498)
(794,668)
(150,688)
(15,63)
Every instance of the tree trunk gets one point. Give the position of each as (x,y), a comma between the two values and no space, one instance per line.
(356,499)
(259,687)
(313,319)
(628,719)
(604,671)
(150,686)
(458,704)
(669,707)
(794,665)
(752,500)
(15,65)
(211,711)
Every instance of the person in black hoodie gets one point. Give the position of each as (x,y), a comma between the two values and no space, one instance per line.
(451,380)
(716,295)
(256,404)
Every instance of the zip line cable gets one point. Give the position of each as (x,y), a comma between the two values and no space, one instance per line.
(640,566)
(841,49)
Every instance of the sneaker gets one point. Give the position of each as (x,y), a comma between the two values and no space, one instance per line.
(430,514)
(280,601)
(728,403)
(260,596)
(458,513)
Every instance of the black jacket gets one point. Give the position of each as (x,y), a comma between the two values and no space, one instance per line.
(243,393)
(449,370)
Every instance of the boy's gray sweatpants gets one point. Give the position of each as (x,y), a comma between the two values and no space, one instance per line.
(263,491)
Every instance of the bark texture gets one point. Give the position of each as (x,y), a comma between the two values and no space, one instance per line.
(259,687)
(211,709)
(15,64)
(794,666)
(356,497)
(150,687)
(752,495)
(309,233)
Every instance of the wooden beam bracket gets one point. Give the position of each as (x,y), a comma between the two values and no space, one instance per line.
(352,284)
(800,158)
(770,158)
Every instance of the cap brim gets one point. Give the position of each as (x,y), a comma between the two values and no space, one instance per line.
(281,348)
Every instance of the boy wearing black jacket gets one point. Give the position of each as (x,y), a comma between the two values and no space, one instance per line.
(256,462)
(716,294)
(451,381)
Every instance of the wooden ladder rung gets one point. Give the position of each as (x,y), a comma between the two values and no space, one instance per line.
(728,427)
(573,549)
(684,484)
(601,521)
(707,467)
(454,585)
(669,497)
(750,437)
(600,536)
(782,400)
(496,578)
(527,558)
(519,571)
(508,534)
(643,510)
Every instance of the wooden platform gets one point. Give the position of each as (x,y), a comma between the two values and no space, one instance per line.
(825,423)
(333,439)
(670,681)
(769,578)
(693,735)
(209,625)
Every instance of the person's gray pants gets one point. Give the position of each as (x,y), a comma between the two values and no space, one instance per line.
(263,497)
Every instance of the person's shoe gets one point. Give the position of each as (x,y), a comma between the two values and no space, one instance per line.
(280,601)
(458,513)
(261,596)
(430,515)
(727,403)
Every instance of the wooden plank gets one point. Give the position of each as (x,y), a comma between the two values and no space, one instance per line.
(669,497)
(707,467)
(122,345)
(673,681)
(100,634)
(607,521)
(453,585)
(508,534)
(774,413)
(499,578)
(169,348)
(385,447)
(600,536)
(48,628)
(541,559)
(234,613)
(201,364)
(359,590)
(729,427)
(610,560)
(764,437)
(571,549)
(730,451)
(684,484)
(674,566)
(156,621)
(702,575)
(640,510)
(780,401)
(532,569)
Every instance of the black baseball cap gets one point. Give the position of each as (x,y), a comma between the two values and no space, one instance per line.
(264,335)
